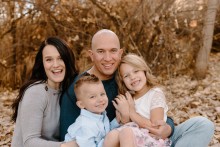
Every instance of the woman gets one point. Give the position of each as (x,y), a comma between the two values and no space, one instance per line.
(37,109)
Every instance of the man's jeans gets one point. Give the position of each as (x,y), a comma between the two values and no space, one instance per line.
(195,132)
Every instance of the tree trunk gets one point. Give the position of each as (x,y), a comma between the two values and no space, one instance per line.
(208,29)
(13,34)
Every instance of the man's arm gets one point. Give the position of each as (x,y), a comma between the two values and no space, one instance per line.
(163,130)
(68,111)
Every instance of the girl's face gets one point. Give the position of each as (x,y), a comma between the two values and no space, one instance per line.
(134,79)
(54,66)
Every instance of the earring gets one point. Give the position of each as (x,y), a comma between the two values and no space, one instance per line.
(46,88)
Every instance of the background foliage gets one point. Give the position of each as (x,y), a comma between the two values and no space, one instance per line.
(167,34)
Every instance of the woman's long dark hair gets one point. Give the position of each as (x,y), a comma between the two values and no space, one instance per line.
(38,74)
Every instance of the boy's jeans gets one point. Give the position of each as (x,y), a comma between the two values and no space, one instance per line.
(195,132)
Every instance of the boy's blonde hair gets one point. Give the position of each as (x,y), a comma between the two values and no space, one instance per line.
(85,78)
(139,63)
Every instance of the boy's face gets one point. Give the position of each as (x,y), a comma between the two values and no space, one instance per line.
(92,97)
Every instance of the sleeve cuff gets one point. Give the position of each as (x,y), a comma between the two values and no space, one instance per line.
(114,124)
(171,124)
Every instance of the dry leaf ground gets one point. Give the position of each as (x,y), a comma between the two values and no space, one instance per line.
(186,98)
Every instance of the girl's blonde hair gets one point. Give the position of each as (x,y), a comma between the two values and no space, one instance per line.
(139,63)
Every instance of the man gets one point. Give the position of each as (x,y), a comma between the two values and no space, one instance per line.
(106,54)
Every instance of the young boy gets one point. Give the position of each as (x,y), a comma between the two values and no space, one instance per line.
(93,124)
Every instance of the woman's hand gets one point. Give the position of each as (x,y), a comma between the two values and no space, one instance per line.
(69,144)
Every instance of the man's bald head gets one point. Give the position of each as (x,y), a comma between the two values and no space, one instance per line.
(105,54)
(104,33)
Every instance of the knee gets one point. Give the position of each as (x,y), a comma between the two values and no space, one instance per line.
(111,138)
(205,124)
(112,134)
(126,132)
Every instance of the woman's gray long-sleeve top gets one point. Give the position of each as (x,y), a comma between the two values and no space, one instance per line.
(37,123)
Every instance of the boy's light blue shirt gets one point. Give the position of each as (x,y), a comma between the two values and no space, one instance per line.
(90,129)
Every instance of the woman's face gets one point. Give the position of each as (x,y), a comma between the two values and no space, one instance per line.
(54,66)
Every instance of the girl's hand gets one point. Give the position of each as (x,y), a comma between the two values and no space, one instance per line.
(118,116)
(130,102)
(121,105)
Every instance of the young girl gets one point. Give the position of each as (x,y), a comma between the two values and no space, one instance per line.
(146,102)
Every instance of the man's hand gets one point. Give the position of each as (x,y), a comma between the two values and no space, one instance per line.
(160,129)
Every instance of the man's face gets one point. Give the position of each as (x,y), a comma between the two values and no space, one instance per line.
(106,55)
